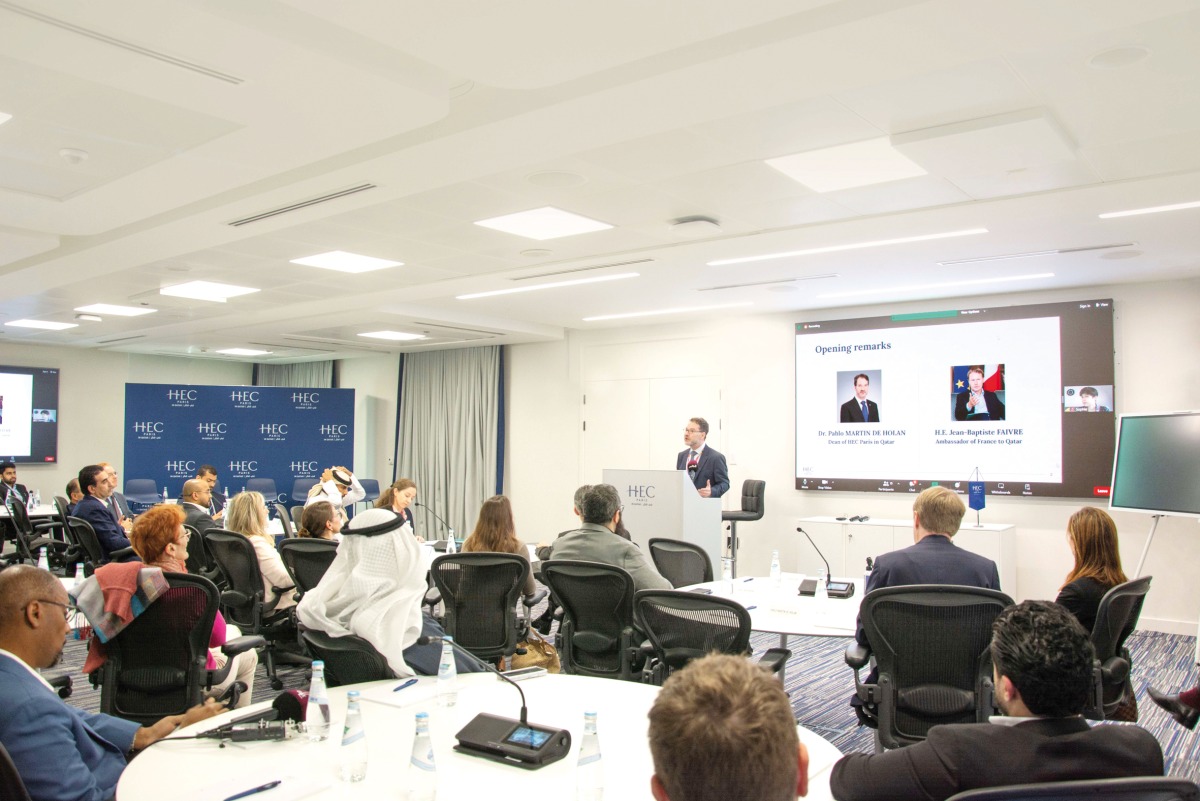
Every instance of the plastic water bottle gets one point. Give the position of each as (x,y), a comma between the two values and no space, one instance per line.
(422,770)
(589,771)
(727,574)
(353,753)
(447,682)
(316,716)
(79,571)
(775,570)
(822,596)
(451,545)
(35,499)
(166,495)
(43,560)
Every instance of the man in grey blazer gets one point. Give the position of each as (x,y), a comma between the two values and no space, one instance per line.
(1042,662)
(596,540)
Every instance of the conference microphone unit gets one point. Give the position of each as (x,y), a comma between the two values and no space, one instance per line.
(836,589)
(429,509)
(500,739)
(276,722)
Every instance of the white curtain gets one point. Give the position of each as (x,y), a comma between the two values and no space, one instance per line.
(303,374)
(449,433)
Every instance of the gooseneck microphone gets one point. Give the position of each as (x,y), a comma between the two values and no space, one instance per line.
(429,509)
(512,742)
(834,589)
(828,574)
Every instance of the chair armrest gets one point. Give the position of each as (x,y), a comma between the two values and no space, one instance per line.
(1114,670)
(234,598)
(120,553)
(242,644)
(857,656)
(775,658)
(531,601)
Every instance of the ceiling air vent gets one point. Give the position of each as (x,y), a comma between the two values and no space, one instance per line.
(303,204)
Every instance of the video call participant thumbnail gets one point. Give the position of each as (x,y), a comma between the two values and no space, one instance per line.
(975,402)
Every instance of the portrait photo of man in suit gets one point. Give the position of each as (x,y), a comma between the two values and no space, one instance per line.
(859,409)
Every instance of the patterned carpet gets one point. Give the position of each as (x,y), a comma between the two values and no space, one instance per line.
(819,684)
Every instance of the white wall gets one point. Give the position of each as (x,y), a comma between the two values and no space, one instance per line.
(373,379)
(1157,333)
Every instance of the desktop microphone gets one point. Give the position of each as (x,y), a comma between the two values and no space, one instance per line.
(835,589)
(429,509)
(513,742)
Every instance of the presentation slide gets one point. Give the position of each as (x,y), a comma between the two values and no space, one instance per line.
(900,403)
(28,415)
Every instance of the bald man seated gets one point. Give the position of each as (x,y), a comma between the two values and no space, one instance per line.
(62,753)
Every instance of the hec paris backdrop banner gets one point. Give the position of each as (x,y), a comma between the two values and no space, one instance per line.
(281,433)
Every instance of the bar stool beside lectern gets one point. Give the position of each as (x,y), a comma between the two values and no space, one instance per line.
(753,506)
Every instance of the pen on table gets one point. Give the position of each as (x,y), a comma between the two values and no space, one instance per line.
(262,788)
(748,608)
(748,579)
(403,686)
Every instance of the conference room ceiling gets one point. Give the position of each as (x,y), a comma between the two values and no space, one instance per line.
(156,142)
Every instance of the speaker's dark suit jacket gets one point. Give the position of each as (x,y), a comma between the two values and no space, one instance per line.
(711,467)
(852,412)
(933,560)
(994,406)
(970,756)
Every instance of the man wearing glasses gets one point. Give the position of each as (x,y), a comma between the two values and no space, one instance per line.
(60,751)
(705,466)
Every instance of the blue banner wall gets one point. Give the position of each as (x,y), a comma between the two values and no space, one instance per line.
(280,433)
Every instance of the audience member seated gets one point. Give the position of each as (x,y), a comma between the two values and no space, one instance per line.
(160,539)
(197,500)
(116,500)
(596,541)
(1092,535)
(933,558)
(1043,675)
(320,521)
(723,728)
(495,532)
(374,589)
(1184,707)
(400,497)
(74,496)
(216,501)
(61,752)
(338,486)
(96,488)
(247,515)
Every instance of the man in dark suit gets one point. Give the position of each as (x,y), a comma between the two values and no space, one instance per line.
(60,751)
(975,402)
(216,502)
(858,409)
(705,466)
(1043,676)
(116,499)
(9,488)
(94,508)
(196,494)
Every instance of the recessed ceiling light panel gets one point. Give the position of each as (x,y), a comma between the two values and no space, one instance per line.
(116,311)
(206,290)
(4,117)
(393,336)
(872,161)
(244,352)
(45,325)
(345,262)
(544,223)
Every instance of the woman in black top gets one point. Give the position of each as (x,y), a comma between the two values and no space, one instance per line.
(1093,538)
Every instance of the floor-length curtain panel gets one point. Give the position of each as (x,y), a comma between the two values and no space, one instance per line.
(448,433)
(303,374)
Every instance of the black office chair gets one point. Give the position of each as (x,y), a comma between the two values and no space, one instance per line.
(284,518)
(683,626)
(244,603)
(1140,788)
(479,594)
(92,553)
(597,636)
(753,507)
(306,561)
(156,666)
(931,647)
(348,660)
(27,542)
(1116,618)
(141,494)
(11,785)
(681,563)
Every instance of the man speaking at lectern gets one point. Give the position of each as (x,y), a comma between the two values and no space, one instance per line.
(705,467)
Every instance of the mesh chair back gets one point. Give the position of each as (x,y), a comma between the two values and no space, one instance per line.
(198,559)
(86,537)
(11,786)
(479,593)
(156,665)
(23,529)
(597,631)
(307,560)
(683,626)
(930,643)
(348,660)
(282,513)
(242,601)
(1141,788)
(681,563)
(1116,618)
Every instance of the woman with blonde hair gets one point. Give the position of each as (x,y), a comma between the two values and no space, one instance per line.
(1092,535)
(159,538)
(495,532)
(246,514)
